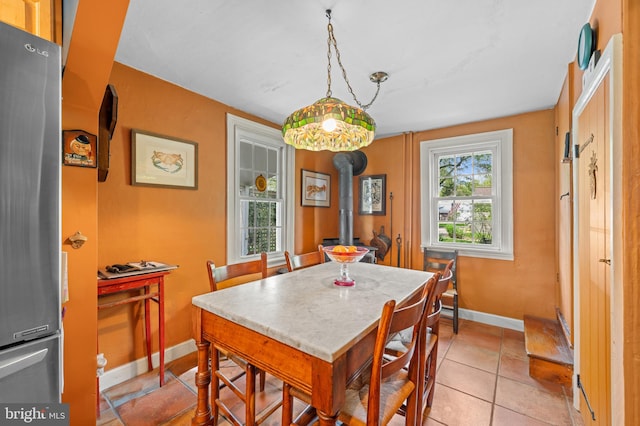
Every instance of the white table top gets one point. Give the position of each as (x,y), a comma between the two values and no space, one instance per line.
(305,310)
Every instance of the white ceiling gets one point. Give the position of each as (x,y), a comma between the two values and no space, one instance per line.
(449,61)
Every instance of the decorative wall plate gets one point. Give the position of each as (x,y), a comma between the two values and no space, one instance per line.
(261,183)
(586,46)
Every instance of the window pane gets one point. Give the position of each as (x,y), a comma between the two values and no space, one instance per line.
(482,218)
(446,210)
(482,162)
(482,210)
(246,182)
(464,210)
(273,161)
(464,164)
(463,185)
(246,155)
(482,233)
(482,185)
(262,240)
(446,187)
(260,158)
(249,246)
(273,218)
(445,232)
(447,165)
(272,186)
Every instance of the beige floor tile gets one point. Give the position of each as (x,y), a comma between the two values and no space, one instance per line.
(157,407)
(483,340)
(108,417)
(453,408)
(515,368)
(532,402)
(472,381)
(469,327)
(473,356)
(142,384)
(505,417)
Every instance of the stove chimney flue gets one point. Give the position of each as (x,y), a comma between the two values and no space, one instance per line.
(348,164)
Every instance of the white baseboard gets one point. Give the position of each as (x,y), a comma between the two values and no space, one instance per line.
(135,368)
(491,319)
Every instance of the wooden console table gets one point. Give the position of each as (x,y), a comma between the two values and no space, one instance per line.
(136,282)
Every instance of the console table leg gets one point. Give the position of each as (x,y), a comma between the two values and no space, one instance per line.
(161,327)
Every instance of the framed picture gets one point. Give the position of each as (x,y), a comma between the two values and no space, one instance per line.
(79,148)
(158,160)
(373,195)
(316,189)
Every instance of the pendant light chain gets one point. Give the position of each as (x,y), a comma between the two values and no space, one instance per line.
(332,41)
(330,30)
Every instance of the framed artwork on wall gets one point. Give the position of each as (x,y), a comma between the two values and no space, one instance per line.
(373,195)
(79,148)
(316,189)
(164,161)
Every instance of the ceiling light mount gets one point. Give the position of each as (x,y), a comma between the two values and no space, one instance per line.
(379,77)
(329,123)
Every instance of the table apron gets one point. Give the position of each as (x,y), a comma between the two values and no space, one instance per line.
(325,381)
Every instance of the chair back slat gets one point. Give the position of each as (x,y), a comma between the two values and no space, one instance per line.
(221,274)
(438,260)
(297,261)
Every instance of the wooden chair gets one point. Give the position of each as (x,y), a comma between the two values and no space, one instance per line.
(375,396)
(297,261)
(431,331)
(222,277)
(437,260)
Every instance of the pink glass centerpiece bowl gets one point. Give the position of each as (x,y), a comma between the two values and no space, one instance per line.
(344,258)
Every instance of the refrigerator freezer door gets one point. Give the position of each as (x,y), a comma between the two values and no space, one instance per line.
(30,158)
(30,373)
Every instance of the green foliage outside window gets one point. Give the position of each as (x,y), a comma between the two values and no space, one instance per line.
(463,179)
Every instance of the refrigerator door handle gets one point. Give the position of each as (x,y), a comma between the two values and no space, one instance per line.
(15,364)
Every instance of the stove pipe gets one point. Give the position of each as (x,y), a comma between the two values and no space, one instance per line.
(349,164)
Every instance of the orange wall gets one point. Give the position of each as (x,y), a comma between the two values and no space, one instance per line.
(527,282)
(177,226)
(312,224)
(96,34)
(390,157)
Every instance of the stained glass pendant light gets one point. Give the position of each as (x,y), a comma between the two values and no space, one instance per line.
(329,123)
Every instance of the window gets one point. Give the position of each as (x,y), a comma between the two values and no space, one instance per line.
(260,204)
(467,194)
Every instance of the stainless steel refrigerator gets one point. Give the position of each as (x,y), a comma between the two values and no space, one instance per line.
(30,165)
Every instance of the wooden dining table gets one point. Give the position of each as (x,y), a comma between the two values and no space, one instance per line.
(300,327)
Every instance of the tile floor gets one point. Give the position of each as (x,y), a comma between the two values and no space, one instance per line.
(482,379)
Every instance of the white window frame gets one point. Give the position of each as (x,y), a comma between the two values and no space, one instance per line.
(500,142)
(239,129)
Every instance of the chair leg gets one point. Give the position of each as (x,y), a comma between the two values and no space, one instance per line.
(287,404)
(262,379)
(455,314)
(215,384)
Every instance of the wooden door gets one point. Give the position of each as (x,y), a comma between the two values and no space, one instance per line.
(594,257)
